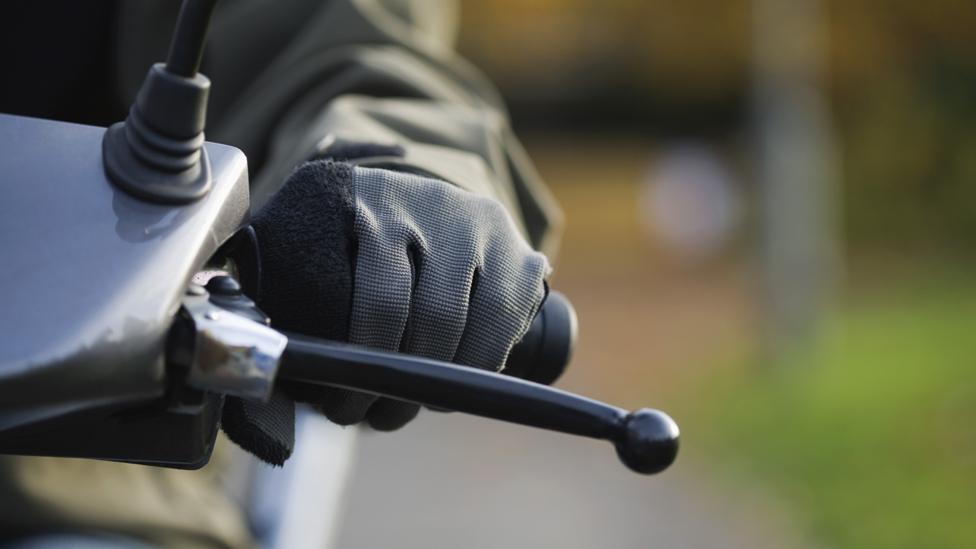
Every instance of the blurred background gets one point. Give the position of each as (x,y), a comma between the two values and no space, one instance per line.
(770,217)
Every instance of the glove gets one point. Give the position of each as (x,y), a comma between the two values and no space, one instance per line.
(397,262)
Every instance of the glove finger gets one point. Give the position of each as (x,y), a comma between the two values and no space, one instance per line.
(387,414)
(345,407)
(506,295)
(438,315)
(439,307)
(384,277)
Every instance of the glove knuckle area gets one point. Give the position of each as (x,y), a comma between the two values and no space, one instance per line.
(407,263)
(489,210)
(453,312)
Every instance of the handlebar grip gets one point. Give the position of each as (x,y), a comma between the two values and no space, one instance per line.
(544,352)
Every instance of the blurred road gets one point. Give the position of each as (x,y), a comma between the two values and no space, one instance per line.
(451,481)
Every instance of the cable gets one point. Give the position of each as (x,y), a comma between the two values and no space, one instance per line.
(189,37)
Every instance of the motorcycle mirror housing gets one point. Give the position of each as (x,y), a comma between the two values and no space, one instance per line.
(92,277)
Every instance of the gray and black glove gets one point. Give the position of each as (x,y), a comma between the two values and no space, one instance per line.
(398,262)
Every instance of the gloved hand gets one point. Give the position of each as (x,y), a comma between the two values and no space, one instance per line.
(398,262)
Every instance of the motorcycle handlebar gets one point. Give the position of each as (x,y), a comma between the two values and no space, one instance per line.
(546,349)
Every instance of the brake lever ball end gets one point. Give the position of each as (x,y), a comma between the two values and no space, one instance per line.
(648,442)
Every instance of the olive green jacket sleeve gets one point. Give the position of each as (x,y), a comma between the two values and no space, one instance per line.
(386,72)
(289,73)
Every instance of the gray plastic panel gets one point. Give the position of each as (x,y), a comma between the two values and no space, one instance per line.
(91,277)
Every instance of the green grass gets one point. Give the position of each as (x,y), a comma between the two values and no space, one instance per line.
(872,438)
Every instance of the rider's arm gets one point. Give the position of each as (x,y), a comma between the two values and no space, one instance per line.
(276,91)
(446,266)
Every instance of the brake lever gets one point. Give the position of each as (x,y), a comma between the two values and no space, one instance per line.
(646,440)
(227,359)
